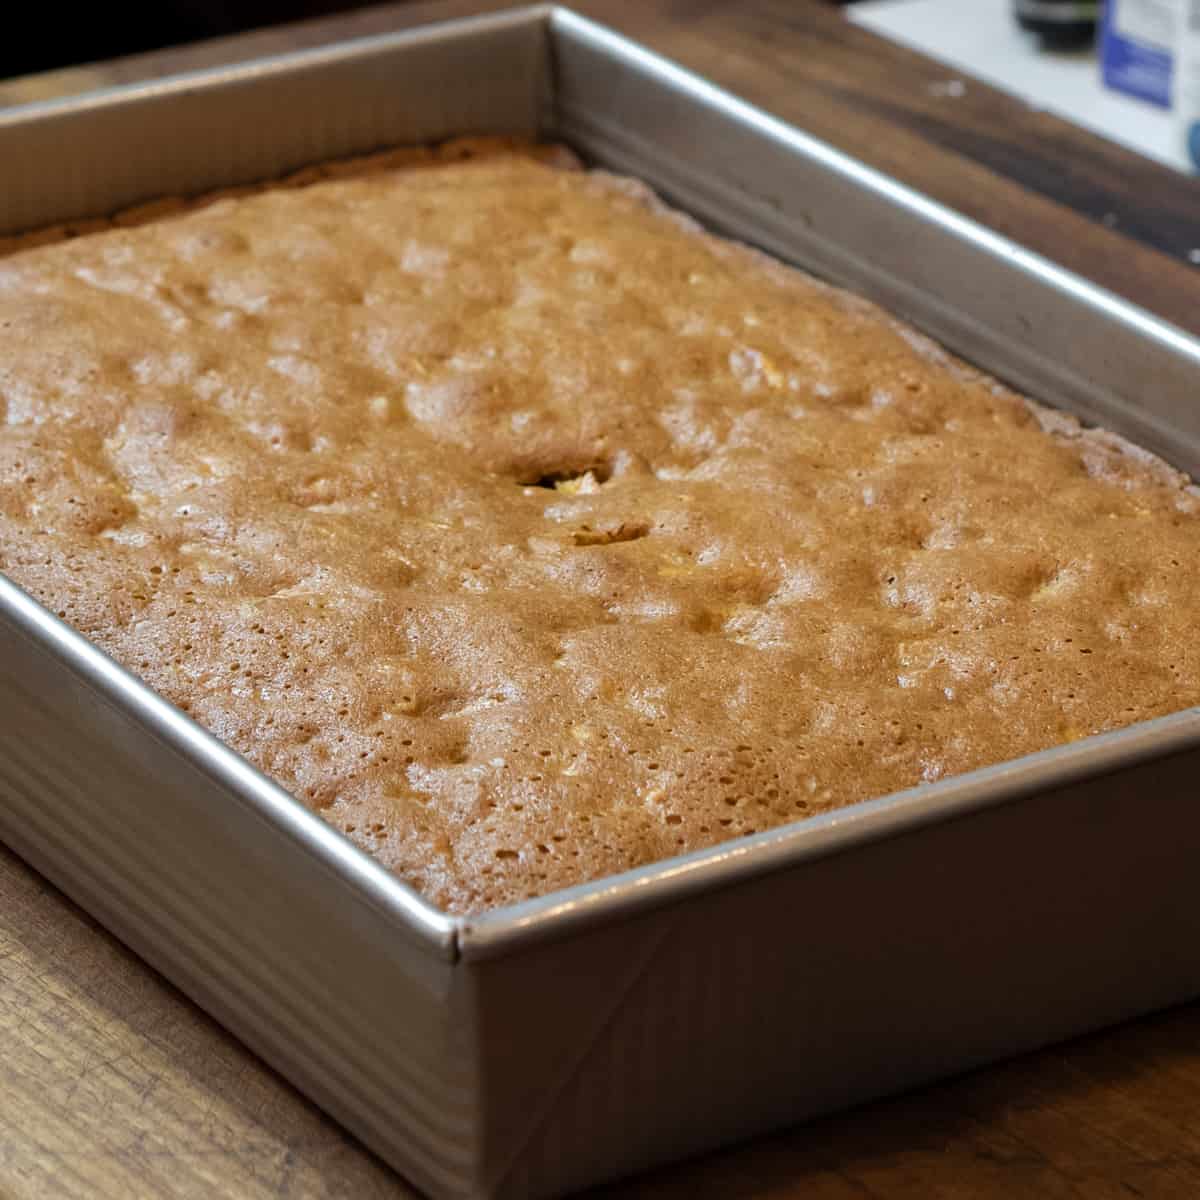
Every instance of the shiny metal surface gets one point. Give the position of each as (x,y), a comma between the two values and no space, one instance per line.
(101,152)
(619,1023)
(330,968)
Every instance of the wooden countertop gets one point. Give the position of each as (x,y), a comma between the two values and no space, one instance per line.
(113,1085)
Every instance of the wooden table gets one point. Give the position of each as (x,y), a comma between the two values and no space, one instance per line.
(113,1085)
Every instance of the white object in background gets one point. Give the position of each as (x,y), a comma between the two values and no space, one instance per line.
(1150,21)
(982,39)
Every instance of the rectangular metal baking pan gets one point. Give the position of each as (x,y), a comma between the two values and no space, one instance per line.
(549,1045)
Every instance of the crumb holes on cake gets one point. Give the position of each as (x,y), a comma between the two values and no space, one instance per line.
(626,531)
(568,479)
(507,855)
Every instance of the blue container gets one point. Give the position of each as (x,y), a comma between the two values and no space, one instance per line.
(1137,48)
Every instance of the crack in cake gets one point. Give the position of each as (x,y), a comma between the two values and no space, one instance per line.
(529,534)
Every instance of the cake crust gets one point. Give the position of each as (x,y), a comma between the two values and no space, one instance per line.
(528,533)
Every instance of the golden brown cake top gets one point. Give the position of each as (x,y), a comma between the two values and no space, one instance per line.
(529,534)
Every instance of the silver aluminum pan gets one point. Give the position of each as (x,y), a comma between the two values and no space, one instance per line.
(615,1024)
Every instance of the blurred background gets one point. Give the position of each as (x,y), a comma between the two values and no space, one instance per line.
(92,32)
(46,38)
(1115,79)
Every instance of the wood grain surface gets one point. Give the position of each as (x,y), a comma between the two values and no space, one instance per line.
(112,1085)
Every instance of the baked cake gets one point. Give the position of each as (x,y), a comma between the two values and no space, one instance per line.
(528,533)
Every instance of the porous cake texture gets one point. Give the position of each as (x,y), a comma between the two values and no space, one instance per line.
(528,533)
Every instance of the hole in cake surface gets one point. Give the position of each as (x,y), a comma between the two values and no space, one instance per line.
(571,480)
(627,531)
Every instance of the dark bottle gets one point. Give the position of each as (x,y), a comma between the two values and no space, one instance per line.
(1061,24)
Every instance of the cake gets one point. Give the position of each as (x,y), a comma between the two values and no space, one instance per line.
(528,533)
